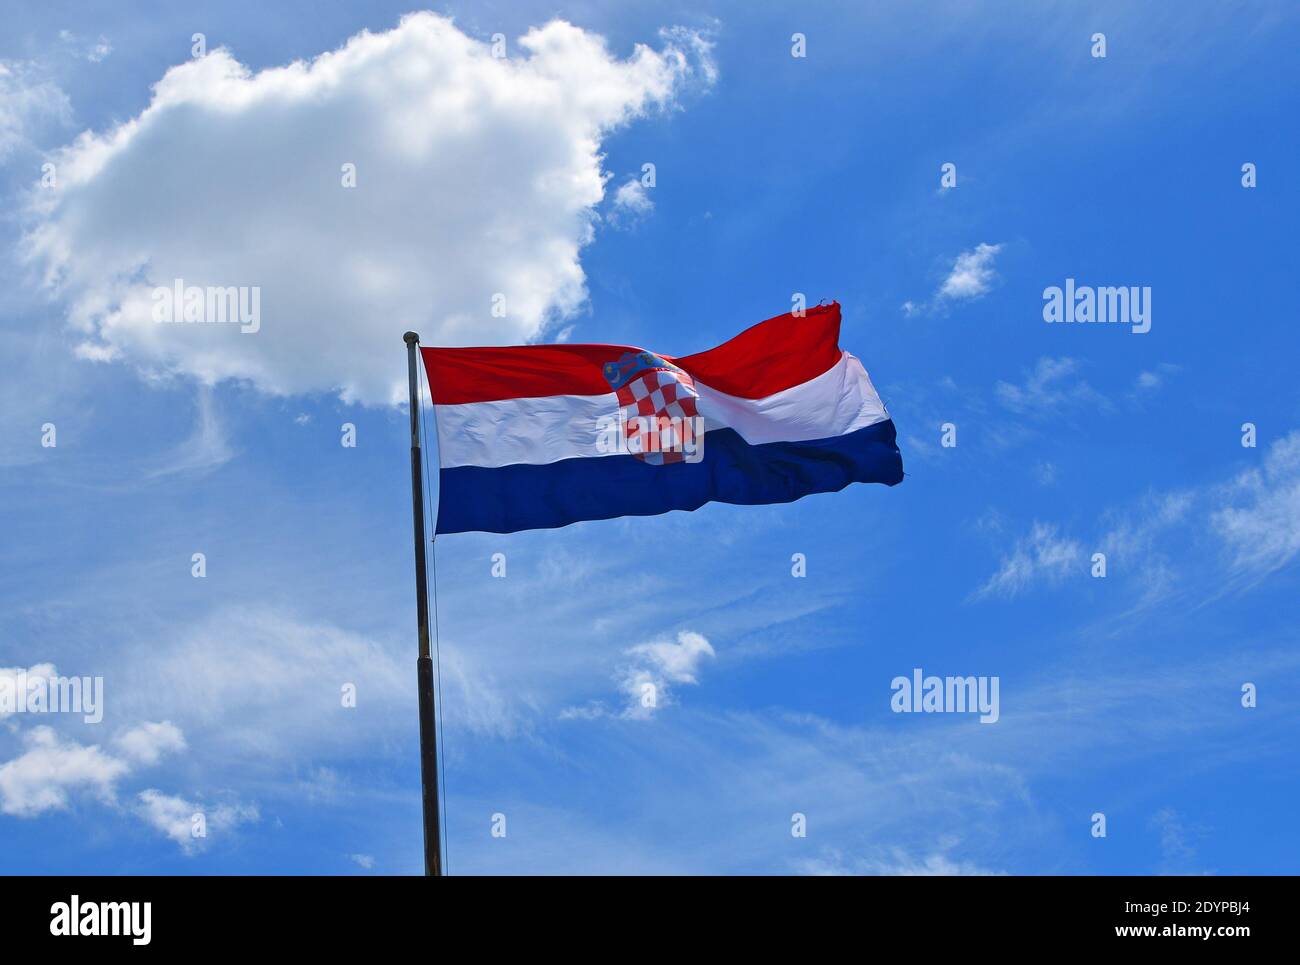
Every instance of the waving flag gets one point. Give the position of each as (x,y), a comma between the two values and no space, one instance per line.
(539,436)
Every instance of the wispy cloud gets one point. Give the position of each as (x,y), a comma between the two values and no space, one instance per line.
(206,448)
(1250,524)
(30,103)
(882,798)
(658,668)
(649,678)
(1176,847)
(1042,556)
(1258,516)
(893,862)
(1051,385)
(92,50)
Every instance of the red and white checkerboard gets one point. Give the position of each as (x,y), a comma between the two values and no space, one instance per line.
(653,395)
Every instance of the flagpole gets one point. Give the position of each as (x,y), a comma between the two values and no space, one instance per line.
(424,663)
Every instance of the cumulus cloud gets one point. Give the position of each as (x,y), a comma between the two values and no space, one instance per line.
(475,177)
(41,778)
(971,276)
(631,202)
(972,273)
(1040,556)
(52,768)
(175,817)
(147,743)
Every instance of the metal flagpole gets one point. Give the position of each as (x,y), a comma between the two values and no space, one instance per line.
(424,663)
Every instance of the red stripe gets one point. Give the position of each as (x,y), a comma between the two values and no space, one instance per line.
(773,355)
(459,375)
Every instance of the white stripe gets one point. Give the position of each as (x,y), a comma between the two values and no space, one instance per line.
(837,402)
(537,431)
(549,428)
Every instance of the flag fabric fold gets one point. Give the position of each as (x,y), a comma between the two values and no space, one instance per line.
(540,436)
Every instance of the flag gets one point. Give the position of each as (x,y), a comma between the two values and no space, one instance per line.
(539,436)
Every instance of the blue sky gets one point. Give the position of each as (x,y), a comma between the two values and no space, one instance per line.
(774,175)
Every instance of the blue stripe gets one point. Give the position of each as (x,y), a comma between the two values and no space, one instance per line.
(510,498)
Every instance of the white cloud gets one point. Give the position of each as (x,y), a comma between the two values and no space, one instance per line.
(366,861)
(972,273)
(1175,838)
(661,665)
(13,677)
(1135,537)
(1042,555)
(147,743)
(894,862)
(50,769)
(1050,386)
(970,277)
(631,202)
(206,447)
(28,103)
(1150,381)
(650,676)
(92,50)
(885,797)
(1258,516)
(1254,518)
(474,176)
(262,686)
(698,42)
(174,817)
(1250,523)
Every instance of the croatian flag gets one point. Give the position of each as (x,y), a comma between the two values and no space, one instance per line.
(539,436)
